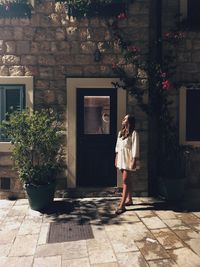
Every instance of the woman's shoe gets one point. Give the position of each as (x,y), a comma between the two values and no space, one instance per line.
(120,211)
(128,203)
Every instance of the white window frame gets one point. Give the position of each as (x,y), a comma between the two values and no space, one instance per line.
(28,83)
(182,119)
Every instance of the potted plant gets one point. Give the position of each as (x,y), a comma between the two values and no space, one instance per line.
(36,139)
(173,172)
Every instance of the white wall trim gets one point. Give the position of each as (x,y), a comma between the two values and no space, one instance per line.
(28,82)
(90,83)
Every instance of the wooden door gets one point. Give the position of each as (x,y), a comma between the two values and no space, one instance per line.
(96,137)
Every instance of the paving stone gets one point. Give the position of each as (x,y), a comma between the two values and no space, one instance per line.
(144,213)
(12,223)
(186,234)
(153,222)
(5,249)
(138,231)
(83,262)
(188,218)
(7,236)
(165,214)
(167,238)
(3,214)
(110,264)
(196,226)
(48,250)
(185,257)
(29,227)
(122,242)
(18,210)
(24,245)
(16,261)
(20,202)
(174,222)
(6,204)
(43,234)
(131,259)
(47,261)
(194,244)
(197,214)
(74,250)
(152,250)
(100,252)
(162,263)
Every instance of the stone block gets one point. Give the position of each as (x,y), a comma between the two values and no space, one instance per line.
(10,60)
(18,33)
(10,47)
(4,71)
(47,60)
(23,47)
(31,71)
(60,34)
(28,60)
(88,47)
(16,71)
(5,159)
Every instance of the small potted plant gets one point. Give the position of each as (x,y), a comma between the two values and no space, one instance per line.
(174,166)
(36,139)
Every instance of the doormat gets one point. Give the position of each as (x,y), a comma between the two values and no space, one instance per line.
(69,231)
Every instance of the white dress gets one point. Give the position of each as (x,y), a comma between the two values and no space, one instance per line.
(126,150)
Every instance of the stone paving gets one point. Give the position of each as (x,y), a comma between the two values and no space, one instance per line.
(149,234)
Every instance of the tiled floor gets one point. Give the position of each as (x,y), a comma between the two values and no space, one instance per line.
(148,234)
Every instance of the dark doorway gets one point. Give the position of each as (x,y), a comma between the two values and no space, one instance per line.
(96,137)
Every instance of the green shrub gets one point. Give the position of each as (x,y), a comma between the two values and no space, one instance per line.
(37,150)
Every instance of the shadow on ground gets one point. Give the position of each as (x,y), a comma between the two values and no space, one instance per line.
(102,210)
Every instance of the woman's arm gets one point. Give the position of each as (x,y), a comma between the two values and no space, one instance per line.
(134,150)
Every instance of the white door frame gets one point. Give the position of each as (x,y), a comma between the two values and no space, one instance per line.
(89,83)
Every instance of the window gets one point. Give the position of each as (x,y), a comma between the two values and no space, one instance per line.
(189,118)
(189,10)
(12,98)
(16,93)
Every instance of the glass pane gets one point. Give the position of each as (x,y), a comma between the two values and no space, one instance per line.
(12,100)
(96,114)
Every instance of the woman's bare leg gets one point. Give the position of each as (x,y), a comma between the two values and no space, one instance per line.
(130,193)
(126,188)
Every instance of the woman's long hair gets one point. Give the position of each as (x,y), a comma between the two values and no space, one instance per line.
(126,131)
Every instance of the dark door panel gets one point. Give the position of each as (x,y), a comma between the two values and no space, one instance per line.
(96,137)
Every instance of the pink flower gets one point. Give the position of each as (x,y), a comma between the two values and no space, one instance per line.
(163,74)
(166,85)
(122,16)
(114,65)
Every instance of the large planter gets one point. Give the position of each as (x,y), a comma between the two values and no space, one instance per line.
(40,197)
(172,189)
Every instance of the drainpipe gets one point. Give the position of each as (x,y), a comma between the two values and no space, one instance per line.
(155,50)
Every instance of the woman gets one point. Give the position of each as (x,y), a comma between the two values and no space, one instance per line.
(127,159)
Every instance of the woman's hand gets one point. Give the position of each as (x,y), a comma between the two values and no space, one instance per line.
(133,164)
(116,160)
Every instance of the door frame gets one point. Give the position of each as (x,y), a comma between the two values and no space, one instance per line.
(90,83)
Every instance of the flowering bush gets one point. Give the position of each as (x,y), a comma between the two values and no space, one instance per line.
(157,76)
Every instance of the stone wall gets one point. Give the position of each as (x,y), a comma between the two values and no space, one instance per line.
(51,47)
